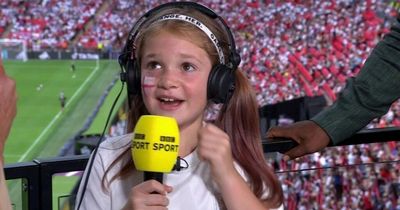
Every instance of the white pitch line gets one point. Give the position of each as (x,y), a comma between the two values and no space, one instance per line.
(38,139)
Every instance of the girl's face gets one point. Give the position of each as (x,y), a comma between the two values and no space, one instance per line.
(174,75)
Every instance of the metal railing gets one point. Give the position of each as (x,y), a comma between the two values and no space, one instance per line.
(37,175)
(368,136)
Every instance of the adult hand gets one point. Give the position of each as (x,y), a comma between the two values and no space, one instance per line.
(309,136)
(8,109)
(142,196)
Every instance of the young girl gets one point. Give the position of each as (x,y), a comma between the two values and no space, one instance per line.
(175,50)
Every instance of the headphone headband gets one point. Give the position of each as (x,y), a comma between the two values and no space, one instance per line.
(233,57)
(199,25)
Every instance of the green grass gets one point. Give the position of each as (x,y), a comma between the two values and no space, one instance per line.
(40,129)
(100,120)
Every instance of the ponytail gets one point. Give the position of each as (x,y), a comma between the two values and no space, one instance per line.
(240,120)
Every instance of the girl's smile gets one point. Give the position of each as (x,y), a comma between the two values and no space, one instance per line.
(178,72)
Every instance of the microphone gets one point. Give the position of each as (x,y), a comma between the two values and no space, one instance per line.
(155,145)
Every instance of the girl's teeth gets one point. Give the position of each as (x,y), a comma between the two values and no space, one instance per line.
(167,99)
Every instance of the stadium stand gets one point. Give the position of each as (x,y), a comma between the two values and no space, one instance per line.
(290,49)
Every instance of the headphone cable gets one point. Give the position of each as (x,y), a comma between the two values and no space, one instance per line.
(90,164)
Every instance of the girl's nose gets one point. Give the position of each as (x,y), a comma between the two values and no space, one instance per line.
(168,79)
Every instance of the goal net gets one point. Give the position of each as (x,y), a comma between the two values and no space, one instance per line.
(13,49)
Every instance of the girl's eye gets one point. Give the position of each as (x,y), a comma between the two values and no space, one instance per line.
(188,67)
(153,65)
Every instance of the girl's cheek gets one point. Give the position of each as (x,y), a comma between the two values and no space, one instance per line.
(148,84)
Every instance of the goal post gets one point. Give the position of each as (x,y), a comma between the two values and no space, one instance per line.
(13,49)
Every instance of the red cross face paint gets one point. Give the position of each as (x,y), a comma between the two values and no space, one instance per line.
(148,82)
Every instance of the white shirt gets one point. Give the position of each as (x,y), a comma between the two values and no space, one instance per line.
(193,187)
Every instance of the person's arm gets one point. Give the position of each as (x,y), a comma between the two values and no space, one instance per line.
(365,97)
(8,99)
(8,109)
(369,95)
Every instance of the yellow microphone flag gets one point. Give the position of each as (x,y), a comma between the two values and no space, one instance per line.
(155,143)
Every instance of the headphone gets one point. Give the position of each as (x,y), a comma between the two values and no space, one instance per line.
(221,81)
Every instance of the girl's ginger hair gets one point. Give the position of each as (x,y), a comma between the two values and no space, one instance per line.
(239,118)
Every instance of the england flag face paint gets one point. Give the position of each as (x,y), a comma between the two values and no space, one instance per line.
(148,82)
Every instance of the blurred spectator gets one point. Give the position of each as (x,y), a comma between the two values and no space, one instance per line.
(289,49)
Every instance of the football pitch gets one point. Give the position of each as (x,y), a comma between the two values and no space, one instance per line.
(42,127)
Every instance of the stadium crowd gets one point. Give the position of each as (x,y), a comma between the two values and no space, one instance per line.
(47,23)
(351,177)
(289,49)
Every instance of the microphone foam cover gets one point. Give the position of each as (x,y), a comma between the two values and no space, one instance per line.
(155,143)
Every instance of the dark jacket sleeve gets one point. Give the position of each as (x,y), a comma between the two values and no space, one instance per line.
(370,94)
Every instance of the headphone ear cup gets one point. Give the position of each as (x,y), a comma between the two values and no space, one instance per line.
(221,84)
(133,75)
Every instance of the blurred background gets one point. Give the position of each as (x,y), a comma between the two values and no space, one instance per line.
(297,55)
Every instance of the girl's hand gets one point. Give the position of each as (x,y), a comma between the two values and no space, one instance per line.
(214,146)
(150,195)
